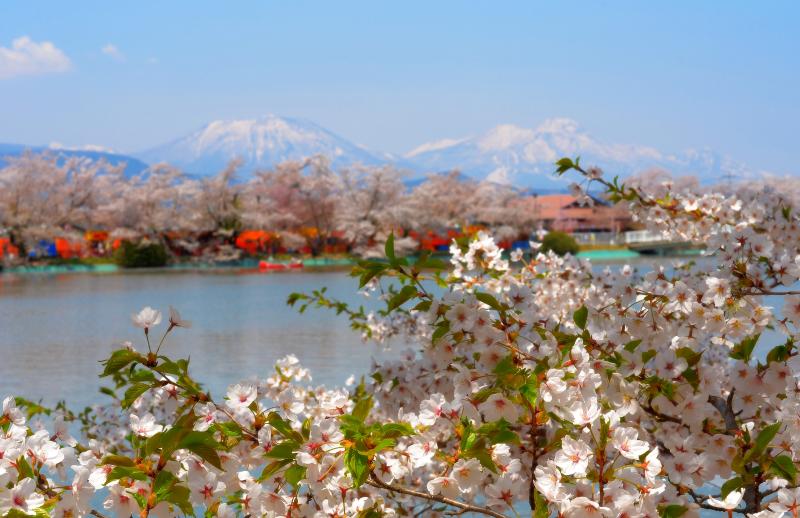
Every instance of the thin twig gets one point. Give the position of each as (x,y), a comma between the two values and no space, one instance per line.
(376,482)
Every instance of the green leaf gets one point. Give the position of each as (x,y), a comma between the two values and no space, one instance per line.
(673,511)
(485,458)
(370,270)
(731,485)
(362,408)
(498,432)
(119,360)
(357,466)
(179,495)
(207,453)
(389,247)
(401,297)
(441,330)
(295,474)
(382,444)
(691,356)
(16,513)
(117,460)
(283,426)
(272,468)
(283,450)
(489,300)
(738,465)
(125,472)
(779,353)
(423,305)
(394,430)
(765,437)
(783,466)
(203,445)
(632,345)
(505,366)
(24,469)
(108,392)
(564,165)
(142,375)
(541,510)
(432,263)
(530,390)
(692,377)
(229,428)
(580,316)
(648,355)
(744,349)
(133,393)
(164,482)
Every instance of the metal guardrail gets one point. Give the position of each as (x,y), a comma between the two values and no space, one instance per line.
(596,238)
(642,236)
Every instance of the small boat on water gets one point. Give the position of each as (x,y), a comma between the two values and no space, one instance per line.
(267,266)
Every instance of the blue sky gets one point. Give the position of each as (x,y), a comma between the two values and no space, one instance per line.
(391,76)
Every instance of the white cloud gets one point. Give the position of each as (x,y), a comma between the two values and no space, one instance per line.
(88,147)
(438,145)
(113,52)
(27,57)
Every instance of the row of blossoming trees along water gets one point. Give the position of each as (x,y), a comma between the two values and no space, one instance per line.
(298,205)
(534,386)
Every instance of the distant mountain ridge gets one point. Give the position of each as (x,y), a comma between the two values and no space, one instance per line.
(524,157)
(507,153)
(133,166)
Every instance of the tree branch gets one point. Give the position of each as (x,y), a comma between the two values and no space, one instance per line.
(376,482)
(725,408)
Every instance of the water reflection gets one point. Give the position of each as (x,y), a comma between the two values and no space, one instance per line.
(55,329)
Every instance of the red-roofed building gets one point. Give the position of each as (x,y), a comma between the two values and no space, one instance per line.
(564,212)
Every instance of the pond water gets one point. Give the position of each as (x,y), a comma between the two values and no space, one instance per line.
(54,329)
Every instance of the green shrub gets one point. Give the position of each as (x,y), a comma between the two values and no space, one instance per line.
(140,255)
(559,242)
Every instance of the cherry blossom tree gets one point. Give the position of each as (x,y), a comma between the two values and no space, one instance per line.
(373,204)
(218,201)
(44,196)
(442,201)
(153,202)
(297,198)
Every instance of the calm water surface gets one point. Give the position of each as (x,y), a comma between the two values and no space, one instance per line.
(54,329)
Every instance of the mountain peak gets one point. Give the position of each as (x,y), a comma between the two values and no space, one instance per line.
(260,143)
(559,125)
(524,157)
(505,136)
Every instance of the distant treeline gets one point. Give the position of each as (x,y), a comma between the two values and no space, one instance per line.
(302,204)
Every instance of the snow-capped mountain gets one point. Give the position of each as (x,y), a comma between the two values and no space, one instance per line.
(519,156)
(260,143)
(524,157)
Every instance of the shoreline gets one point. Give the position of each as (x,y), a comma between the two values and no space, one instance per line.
(317,264)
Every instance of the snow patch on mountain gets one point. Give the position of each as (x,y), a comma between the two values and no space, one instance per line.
(259,143)
(524,157)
